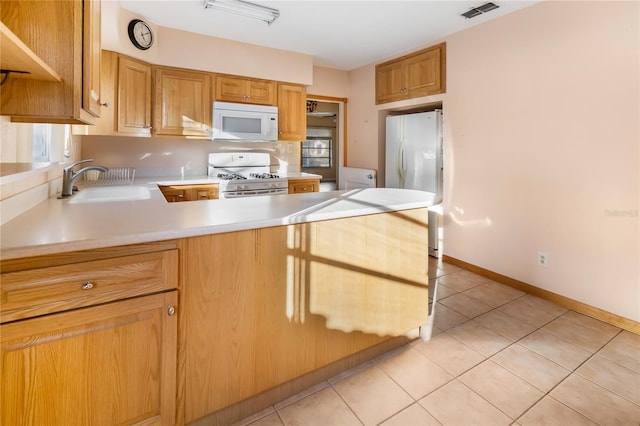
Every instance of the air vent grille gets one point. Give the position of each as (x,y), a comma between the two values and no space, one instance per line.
(487,7)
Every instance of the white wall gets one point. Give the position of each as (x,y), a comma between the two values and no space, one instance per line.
(542,139)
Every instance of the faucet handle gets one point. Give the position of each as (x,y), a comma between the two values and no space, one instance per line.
(71,166)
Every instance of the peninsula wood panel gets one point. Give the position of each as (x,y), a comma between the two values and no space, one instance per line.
(182,103)
(110,364)
(220,321)
(273,314)
(370,273)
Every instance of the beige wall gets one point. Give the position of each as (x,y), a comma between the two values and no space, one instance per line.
(193,51)
(329,82)
(541,148)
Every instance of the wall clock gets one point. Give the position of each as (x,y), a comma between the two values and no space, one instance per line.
(140,34)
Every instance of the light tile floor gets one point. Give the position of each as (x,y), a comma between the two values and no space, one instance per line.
(497,356)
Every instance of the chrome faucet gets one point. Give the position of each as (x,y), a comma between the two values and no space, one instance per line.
(69,176)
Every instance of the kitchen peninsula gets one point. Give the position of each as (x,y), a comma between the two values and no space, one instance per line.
(203,312)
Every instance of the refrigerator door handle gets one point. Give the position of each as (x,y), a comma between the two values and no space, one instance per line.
(400,166)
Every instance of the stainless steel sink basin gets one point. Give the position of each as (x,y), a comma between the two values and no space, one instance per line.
(103,194)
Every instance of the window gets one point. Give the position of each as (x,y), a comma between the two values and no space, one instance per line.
(316,152)
(41,142)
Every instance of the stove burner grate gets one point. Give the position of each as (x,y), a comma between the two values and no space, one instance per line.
(230,176)
(264,175)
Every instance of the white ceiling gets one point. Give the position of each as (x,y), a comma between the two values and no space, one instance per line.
(338,34)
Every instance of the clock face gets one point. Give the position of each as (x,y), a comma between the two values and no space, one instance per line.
(140,34)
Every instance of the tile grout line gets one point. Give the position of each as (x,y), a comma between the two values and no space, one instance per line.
(571,373)
(489,358)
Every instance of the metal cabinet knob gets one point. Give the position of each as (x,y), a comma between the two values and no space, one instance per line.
(87,286)
(171,310)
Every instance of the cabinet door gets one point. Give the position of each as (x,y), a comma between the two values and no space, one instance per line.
(53,30)
(424,73)
(91,55)
(261,92)
(230,89)
(108,364)
(182,105)
(106,124)
(243,90)
(134,97)
(391,82)
(292,112)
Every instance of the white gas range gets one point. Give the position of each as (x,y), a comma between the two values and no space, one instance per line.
(245,174)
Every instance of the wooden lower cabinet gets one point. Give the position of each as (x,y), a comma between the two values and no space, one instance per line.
(304,185)
(298,298)
(177,193)
(90,337)
(102,365)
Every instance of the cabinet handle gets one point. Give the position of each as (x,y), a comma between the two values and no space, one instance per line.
(87,286)
(171,310)
(104,104)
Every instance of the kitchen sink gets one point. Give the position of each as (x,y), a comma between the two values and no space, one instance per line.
(103,194)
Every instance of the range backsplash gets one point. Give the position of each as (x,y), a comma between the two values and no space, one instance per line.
(178,157)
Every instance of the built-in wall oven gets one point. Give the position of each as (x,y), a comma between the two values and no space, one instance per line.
(245,174)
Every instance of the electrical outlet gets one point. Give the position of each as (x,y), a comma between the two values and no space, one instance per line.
(543,259)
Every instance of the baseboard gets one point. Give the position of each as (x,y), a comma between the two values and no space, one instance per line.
(574,305)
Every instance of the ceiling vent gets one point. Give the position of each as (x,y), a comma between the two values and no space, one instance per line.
(487,7)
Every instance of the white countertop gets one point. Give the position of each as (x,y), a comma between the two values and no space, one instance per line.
(56,226)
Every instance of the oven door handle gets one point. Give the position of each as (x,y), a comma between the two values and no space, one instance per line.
(254,193)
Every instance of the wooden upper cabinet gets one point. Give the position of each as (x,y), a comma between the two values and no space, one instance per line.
(54,31)
(292,112)
(245,90)
(182,103)
(134,97)
(107,123)
(418,74)
(91,58)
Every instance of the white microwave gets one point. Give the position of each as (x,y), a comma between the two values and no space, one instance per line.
(244,122)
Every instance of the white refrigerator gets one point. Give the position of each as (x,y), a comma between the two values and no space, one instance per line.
(414,159)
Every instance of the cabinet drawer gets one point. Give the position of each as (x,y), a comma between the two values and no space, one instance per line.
(173,193)
(204,192)
(58,288)
(298,187)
